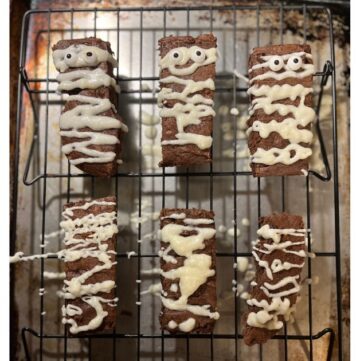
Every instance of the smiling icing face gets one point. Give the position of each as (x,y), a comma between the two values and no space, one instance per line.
(80,55)
(284,66)
(178,57)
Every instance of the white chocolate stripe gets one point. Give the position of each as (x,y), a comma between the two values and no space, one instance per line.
(186,54)
(85,79)
(288,129)
(87,115)
(281,155)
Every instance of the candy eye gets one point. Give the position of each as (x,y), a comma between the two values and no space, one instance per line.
(294,62)
(70,58)
(276,63)
(198,55)
(90,58)
(176,56)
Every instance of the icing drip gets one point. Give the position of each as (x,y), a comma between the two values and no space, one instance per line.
(195,270)
(85,79)
(87,115)
(190,107)
(268,315)
(266,98)
(154,289)
(81,55)
(98,230)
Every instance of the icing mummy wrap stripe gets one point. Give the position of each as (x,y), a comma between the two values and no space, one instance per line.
(81,55)
(88,236)
(184,240)
(87,115)
(278,303)
(177,98)
(269,100)
(189,113)
(85,79)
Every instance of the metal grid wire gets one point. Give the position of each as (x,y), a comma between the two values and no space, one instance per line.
(33,86)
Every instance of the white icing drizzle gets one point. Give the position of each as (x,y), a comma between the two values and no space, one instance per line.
(266,98)
(281,155)
(185,326)
(190,107)
(81,55)
(174,287)
(195,270)
(268,315)
(101,228)
(87,115)
(85,79)
(54,275)
(154,289)
(242,263)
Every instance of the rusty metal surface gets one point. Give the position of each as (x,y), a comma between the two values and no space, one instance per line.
(29,212)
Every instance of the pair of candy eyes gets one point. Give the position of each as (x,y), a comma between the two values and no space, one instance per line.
(89,54)
(276,63)
(196,55)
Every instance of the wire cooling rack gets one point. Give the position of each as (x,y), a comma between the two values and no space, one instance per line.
(36,172)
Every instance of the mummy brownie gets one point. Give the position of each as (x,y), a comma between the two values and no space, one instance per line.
(281,113)
(280,255)
(187,74)
(188,278)
(90,127)
(89,285)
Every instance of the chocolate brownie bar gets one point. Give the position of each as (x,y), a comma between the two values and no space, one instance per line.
(280,256)
(281,113)
(89,287)
(188,267)
(186,98)
(90,126)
